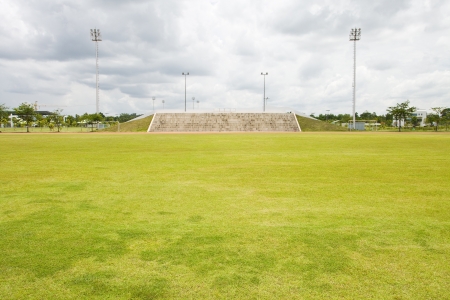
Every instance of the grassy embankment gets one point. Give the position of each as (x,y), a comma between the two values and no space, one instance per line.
(307,124)
(236,216)
(140,125)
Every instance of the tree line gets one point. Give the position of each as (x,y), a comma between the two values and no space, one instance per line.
(27,116)
(402,113)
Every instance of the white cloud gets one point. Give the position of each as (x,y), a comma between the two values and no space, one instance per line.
(47,55)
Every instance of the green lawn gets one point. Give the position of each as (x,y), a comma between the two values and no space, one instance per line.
(225,216)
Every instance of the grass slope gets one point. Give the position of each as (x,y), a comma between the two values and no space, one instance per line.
(240,216)
(140,125)
(307,124)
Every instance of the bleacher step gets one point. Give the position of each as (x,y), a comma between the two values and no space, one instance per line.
(217,122)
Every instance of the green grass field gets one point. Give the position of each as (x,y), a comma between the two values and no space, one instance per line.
(225,216)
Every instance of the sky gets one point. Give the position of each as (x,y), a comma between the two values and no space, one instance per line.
(46,54)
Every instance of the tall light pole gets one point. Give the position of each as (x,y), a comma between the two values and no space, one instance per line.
(185,74)
(193,102)
(264,99)
(355,35)
(326,117)
(198,104)
(96,37)
(153,98)
(164,101)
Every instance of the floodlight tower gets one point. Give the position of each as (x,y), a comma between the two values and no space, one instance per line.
(153,98)
(193,102)
(264,99)
(185,74)
(96,37)
(164,101)
(355,35)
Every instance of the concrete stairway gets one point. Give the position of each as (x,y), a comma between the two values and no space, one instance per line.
(198,122)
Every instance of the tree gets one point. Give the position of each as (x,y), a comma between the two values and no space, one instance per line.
(70,120)
(3,114)
(26,112)
(94,119)
(446,117)
(368,116)
(414,121)
(57,119)
(40,120)
(395,113)
(126,117)
(446,112)
(388,119)
(345,118)
(402,111)
(16,122)
(431,119)
(438,115)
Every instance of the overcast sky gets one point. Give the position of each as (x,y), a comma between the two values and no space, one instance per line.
(46,54)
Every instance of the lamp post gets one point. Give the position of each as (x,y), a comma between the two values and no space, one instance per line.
(326,116)
(163,103)
(185,74)
(96,37)
(153,98)
(355,35)
(264,99)
(193,102)
(198,104)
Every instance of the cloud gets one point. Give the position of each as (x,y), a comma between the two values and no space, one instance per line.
(47,54)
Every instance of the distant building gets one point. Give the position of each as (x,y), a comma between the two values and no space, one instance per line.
(359,125)
(421,118)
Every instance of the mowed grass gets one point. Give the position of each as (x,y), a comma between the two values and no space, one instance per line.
(225,216)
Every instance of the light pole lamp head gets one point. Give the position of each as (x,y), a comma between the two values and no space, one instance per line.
(96,36)
(163,101)
(185,73)
(262,73)
(193,98)
(153,98)
(355,34)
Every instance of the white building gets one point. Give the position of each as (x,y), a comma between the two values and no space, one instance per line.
(421,118)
